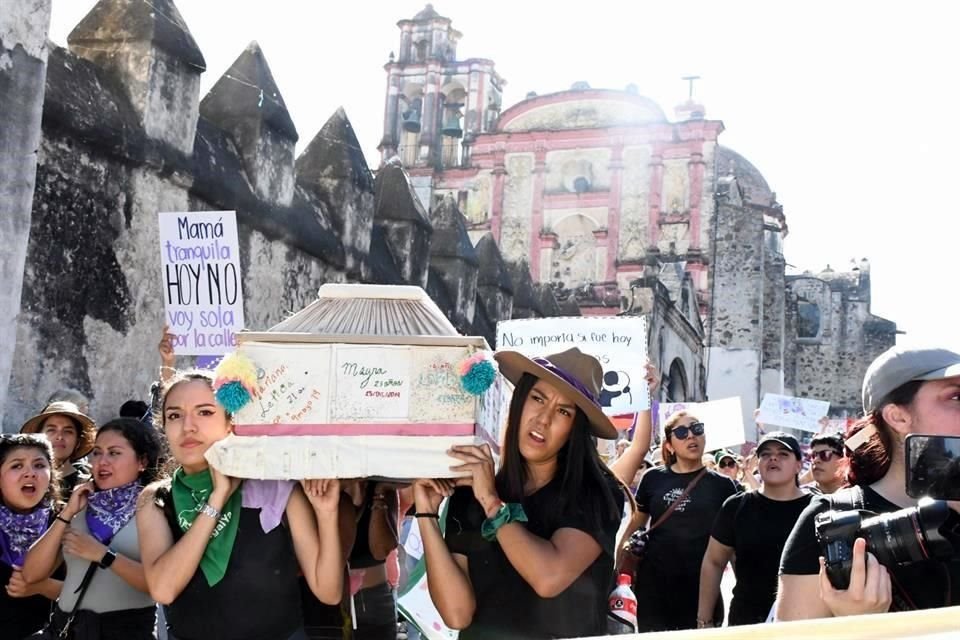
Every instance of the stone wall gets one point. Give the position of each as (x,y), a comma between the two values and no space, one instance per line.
(830,364)
(23,62)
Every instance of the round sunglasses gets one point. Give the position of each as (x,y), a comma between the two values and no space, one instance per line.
(681,433)
(726,463)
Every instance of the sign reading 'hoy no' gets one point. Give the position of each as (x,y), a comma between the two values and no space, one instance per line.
(200,259)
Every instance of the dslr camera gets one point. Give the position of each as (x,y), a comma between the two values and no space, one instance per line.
(905,536)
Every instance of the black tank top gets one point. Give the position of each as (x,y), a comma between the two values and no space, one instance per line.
(360,555)
(257,599)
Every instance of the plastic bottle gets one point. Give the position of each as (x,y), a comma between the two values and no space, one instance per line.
(623,603)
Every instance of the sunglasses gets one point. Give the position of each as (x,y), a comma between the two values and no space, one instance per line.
(727,463)
(681,433)
(824,456)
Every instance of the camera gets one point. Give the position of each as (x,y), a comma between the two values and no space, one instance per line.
(896,538)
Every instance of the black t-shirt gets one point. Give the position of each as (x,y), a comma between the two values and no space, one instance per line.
(508,607)
(927,583)
(756,527)
(258,597)
(676,548)
(20,617)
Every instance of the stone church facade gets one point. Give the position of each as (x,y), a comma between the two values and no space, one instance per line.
(585,202)
(620,209)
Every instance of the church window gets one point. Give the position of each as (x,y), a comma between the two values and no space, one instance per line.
(808,319)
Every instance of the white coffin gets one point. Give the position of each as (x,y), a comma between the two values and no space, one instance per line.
(352,406)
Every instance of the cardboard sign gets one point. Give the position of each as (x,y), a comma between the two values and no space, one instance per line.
(620,344)
(202,293)
(722,420)
(803,414)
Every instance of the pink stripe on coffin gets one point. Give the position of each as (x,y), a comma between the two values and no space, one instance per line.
(358,429)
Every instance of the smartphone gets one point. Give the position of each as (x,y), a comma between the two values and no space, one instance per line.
(933,467)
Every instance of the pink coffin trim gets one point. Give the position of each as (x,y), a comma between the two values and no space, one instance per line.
(354,429)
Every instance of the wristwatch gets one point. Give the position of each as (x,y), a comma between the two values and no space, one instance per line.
(107,559)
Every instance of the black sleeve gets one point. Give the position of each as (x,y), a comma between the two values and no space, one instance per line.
(465,516)
(606,534)
(725,524)
(643,492)
(801,555)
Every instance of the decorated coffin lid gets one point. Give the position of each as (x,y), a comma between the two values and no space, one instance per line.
(313,375)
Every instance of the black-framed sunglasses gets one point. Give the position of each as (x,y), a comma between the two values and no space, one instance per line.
(825,455)
(726,463)
(681,433)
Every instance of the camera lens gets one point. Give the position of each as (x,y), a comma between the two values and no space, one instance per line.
(908,535)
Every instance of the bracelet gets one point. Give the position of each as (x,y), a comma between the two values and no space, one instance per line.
(705,624)
(63,520)
(508,512)
(426,514)
(379,507)
(380,496)
(210,511)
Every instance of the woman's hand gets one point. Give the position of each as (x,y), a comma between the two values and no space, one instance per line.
(324,495)
(167,355)
(17,587)
(223,488)
(652,377)
(78,500)
(356,489)
(478,461)
(428,494)
(869,590)
(83,545)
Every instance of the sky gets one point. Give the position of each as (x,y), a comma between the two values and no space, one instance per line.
(845,107)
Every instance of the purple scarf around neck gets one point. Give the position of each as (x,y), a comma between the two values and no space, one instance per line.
(109,511)
(20,530)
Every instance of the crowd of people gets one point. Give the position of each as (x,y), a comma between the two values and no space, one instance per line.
(125,532)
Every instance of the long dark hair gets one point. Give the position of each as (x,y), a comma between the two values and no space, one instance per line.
(144,441)
(872,459)
(585,481)
(11,441)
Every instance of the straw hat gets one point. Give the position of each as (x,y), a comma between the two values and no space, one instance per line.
(574,373)
(88,428)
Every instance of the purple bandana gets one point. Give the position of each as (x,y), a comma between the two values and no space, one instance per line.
(20,530)
(566,377)
(109,511)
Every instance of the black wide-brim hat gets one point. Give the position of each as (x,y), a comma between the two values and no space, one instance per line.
(575,374)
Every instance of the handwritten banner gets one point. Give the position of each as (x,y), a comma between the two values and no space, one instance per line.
(620,344)
(200,263)
(722,420)
(372,383)
(803,414)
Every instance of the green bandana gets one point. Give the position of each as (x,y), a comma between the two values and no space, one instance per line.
(190,493)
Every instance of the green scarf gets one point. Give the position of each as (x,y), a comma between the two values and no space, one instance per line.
(190,493)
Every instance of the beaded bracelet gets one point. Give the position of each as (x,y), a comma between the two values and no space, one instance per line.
(508,512)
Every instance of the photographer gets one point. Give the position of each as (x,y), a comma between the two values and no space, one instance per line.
(904,391)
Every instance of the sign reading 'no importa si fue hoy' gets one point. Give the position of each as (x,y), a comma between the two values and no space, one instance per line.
(202,294)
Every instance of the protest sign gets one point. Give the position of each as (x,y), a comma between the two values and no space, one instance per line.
(200,263)
(803,414)
(413,599)
(619,343)
(722,420)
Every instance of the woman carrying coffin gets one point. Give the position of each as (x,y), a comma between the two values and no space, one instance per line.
(97,529)
(530,549)
(222,555)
